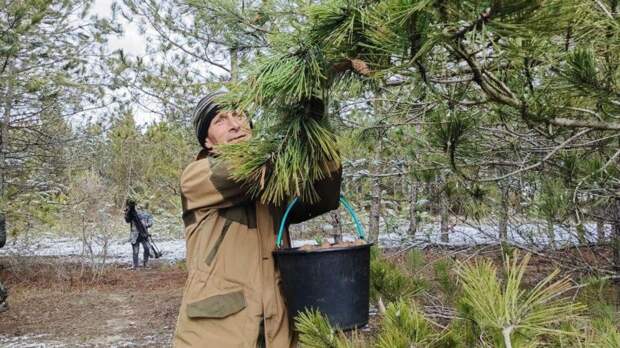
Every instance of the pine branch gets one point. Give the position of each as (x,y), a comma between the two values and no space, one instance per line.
(315,331)
(505,310)
(484,17)
(406,326)
(285,160)
(500,93)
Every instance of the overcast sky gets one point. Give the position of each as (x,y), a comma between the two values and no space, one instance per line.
(132,42)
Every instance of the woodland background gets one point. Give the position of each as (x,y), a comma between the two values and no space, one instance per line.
(463,127)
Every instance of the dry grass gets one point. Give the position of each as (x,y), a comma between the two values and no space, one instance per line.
(63,301)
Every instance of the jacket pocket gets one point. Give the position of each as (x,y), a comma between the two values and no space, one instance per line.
(218,243)
(217,306)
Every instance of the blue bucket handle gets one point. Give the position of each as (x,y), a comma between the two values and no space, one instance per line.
(358,225)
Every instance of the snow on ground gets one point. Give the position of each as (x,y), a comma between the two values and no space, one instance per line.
(26,341)
(46,341)
(119,250)
(528,234)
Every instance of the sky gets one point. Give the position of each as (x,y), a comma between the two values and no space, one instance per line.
(132,42)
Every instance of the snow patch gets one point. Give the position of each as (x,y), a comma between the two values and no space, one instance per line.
(532,235)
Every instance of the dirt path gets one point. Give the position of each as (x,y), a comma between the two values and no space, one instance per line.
(55,304)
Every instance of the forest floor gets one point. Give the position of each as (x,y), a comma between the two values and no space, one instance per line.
(57,302)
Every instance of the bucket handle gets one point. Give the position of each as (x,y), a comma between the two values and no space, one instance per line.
(358,225)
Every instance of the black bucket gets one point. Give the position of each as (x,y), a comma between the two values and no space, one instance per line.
(334,281)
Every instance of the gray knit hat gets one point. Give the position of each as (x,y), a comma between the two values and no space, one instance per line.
(204,113)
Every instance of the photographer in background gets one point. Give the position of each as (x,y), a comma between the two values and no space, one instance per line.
(4,293)
(140,222)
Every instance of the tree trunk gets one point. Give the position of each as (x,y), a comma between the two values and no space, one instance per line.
(581,233)
(600,231)
(413,211)
(234,64)
(615,234)
(445,217)
(337,223)
(4,133)
(503,214)
(580,228)
(376,168)
(430,191)
(375,209)
(4,129)
(550,233)
(615,242)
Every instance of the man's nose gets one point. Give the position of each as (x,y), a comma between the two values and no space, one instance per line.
(235,123)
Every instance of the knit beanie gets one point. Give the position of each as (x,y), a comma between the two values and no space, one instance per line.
(204,112)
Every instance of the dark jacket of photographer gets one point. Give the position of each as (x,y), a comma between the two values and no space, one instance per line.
(134,232)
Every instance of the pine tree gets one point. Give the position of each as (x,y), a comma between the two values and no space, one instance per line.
(494,310)
(47,80)
(528,87)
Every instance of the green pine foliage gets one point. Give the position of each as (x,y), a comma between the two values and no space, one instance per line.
(582,70)
(508,314)
(404,325)
(415,261)
(298,146)
(553,200)
(494,309)
(389,282)
(533,64)
(446,279)
(278,167)
(604,335)
(316,332)
(288,78)
(48,84)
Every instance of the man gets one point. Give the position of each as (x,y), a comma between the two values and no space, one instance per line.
(4,293)
(139,222)
(232,296)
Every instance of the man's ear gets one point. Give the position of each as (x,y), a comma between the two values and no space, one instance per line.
(208,144)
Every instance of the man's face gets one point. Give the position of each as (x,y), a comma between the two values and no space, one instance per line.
(228,127)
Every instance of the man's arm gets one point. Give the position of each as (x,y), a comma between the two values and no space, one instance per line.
(328,190)
(206,184)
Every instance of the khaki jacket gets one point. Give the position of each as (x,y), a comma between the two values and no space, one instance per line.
(232,283)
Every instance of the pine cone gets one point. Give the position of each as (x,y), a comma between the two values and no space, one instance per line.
(355,64)
(360,67)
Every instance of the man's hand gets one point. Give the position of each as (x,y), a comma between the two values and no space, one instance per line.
(314,108)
